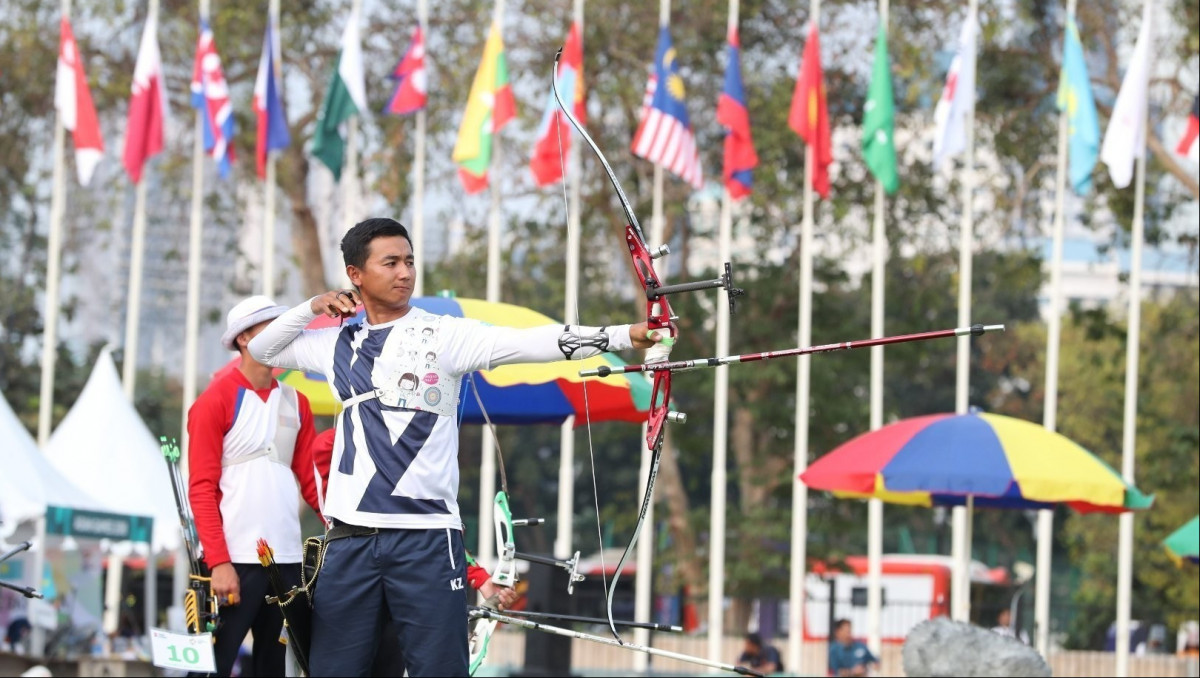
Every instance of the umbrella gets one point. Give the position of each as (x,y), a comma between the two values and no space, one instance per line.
(997,461)
(1184,543)
(544,393)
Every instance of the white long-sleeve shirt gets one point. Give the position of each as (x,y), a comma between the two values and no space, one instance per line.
(397,466)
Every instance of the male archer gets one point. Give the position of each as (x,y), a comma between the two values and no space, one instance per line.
(395,550)
(249,448)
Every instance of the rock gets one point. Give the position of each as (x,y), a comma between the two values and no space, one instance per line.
(941,647)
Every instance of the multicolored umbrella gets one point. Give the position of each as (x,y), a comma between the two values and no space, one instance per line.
(998,461)
(1184,543)
(545,393)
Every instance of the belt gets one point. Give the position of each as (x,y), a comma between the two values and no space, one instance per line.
(369,395)
(342,530)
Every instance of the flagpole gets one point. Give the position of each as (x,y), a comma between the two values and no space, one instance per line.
(644,578)
(418,207)
(192,323)
(133,303)
(564,537)
(716,530)
(1129,437)
(487,470)
(50,334)
(799,545)
(875,506)
(1045,521)
(350,192)
(268,247)
(960,594)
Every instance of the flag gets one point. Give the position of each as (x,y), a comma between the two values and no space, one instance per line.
(409,74)
(148,106)
(809,115)
(490,106)
(1187,145)
(740,156)
(664,136)
(546,162)
(345,98)
(1125,138)
(879,117)
(210,96)
(1075,99)
(268,105)
(73,101)
(957,100)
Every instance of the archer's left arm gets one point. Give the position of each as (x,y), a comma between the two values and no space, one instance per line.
(478,346)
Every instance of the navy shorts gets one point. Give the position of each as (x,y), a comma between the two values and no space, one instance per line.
(417,578)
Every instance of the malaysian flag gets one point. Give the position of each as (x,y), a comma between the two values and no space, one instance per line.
(664,135)
(210,95)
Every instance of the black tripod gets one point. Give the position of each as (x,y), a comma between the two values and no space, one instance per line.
(27,591)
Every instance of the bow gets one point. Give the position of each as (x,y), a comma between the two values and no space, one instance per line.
(200,606)
(660,318)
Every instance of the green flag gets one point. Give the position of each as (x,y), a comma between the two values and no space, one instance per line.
(879,114)
(346,98)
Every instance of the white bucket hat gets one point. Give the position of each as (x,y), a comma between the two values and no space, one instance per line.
(246,314)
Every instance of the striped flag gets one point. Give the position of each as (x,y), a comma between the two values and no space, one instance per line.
(546,162)
(809,115)
(490,106)
(268,105)
(210,96)
(664,136)
(409,74)
(740,156)
(73,100)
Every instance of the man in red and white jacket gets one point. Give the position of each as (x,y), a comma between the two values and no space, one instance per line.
(250,445)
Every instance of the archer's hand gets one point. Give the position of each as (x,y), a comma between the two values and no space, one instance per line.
(225,584)
(336,303)
(643,337)
(501,596)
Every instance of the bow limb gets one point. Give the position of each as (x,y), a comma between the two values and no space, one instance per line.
(658,318)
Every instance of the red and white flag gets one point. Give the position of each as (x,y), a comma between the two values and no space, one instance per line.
(957,100)
(409,74)
(73,101)
(147,119)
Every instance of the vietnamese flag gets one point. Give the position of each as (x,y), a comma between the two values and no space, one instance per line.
(148,107)
(809,116)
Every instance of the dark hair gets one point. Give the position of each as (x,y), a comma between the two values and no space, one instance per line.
(358,239)
(754,639)
(837,625)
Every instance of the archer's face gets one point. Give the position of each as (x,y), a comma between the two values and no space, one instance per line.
(389,273)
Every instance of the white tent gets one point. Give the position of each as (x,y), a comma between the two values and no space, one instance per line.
(28,481)
(104,447)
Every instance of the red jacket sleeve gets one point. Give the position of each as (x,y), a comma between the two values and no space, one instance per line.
(302,456)
(207,422)
(322,453)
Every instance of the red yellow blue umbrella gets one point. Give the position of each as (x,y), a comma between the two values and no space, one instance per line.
(999,461)
(512,394)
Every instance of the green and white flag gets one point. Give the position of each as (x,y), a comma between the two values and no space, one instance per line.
(879,116)
(346,97)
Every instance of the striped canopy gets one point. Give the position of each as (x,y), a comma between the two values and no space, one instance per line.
(999,461)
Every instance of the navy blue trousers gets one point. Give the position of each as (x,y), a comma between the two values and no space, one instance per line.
(416,578)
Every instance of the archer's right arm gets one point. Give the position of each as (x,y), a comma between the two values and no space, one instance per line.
(285,343)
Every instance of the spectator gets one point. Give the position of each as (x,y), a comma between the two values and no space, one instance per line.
(1005,628)
(847,656)
(762,658)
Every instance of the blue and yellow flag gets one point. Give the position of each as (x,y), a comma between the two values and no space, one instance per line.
(1075,99)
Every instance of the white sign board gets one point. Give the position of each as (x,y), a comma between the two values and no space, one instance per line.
(183,651)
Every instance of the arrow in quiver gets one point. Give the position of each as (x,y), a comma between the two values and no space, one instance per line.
(295,603)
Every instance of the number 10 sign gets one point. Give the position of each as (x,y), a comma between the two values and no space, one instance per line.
(183,651)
